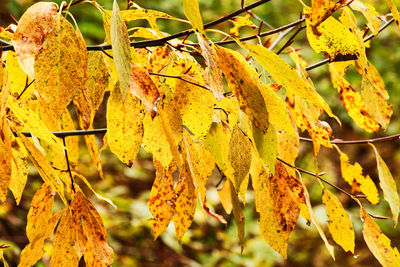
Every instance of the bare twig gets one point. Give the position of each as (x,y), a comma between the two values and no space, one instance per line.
(358,142)
(179,78)
(68,166)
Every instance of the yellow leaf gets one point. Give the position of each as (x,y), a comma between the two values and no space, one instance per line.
(192,12)
(369,13)
(200,161)
(121,49)
(288,147)
(213,73)
(237,213)
(278,199)
(315,221)
(135,14)
(72,142)
(124,126)
(353,102)
(243,81)
(34,124)
(239,22)
(16,76)
(6,163)
(225,196)
(38,227)
(339,223)
(378,243)
(239,156)
(352,174)
(142,86)
(90,258)
(44,168)
(185,203)
(278,113)
(266,145)
(19,168)
(60,75)
(321,10)
(6,34)
(286,76)
(333,38)
(92,227)
(195,105)
(395,12)
(388,185)
(162,198)
(64,253)
(37,21)
(93,148)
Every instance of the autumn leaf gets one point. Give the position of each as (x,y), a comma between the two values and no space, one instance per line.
(266,145)
(124,126)
(192,12)
(321,10)
(339,223)
(370,14)
(388,185)
(378,242)
(395,12)
(19,168)
(239,22)
(121,51)
(238,215)
(6,163)
(37,21)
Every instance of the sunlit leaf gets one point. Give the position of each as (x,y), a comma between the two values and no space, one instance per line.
(339,223)
(395,12)
(266,145)
(38,21)
(19,168)
(321,10)
(192,12)
(239,22)
(370,14)
(6,165)
(388,185)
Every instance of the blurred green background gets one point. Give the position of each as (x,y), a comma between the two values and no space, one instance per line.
(209,243)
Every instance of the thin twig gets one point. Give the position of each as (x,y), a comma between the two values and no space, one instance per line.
(179,78)
(68,167)
(290,39)
(358,142)
(280,37)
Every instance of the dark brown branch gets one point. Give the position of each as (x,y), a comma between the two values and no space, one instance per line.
(358,142)
(290,39)
(179,78)
(68,166)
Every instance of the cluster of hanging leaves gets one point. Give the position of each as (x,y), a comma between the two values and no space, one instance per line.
(193,117)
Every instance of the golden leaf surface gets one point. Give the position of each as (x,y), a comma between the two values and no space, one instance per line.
(321,10)
(238,215)
(192,12)
(225,196)
(352,174)
(395,12)
(162,198)
(200,161)
(195,105)
(93,228)
(278,201)
(135,14)
(369,13)
(93,148)
(38,227)
(388,185)
(19,168)
(243,81)
(239,22)
(353,102)
(286,76)
(333,38)
(267,146)
(60,67)
(185,203)
(378,243)
(124,126)
(6,164)
(37,21)
(121,49)
(16,76)
(239,156)
(339,223)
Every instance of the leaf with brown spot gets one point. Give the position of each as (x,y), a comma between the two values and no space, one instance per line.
(243,81)
(162,199)
(37,21)
(395,12)
(369,13)
(19,168)
(321,10)
(5,161)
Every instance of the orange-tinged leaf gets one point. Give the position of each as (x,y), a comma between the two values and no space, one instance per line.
(38,227)
(286,76)
(6,166)
(321,10)
(239,22)
(64,253)
(200,161)
(353,102)
(37,21)
(124,126)
(192,12)
(369,13)
(44,168)
(142,86)
(339,223)
(352,174)
(239,156)
(93,148)
(388,185)
(315,221)
(195,105)
(333,38)
(225,196)
(243,81)
(288,147)
(185,203)
(90,258)
(237,213)
(395,12)
(162,198)
(60,75)
(213,73)
(378,243)
(19,168)
(278,199)
(92,226)
(120,48)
